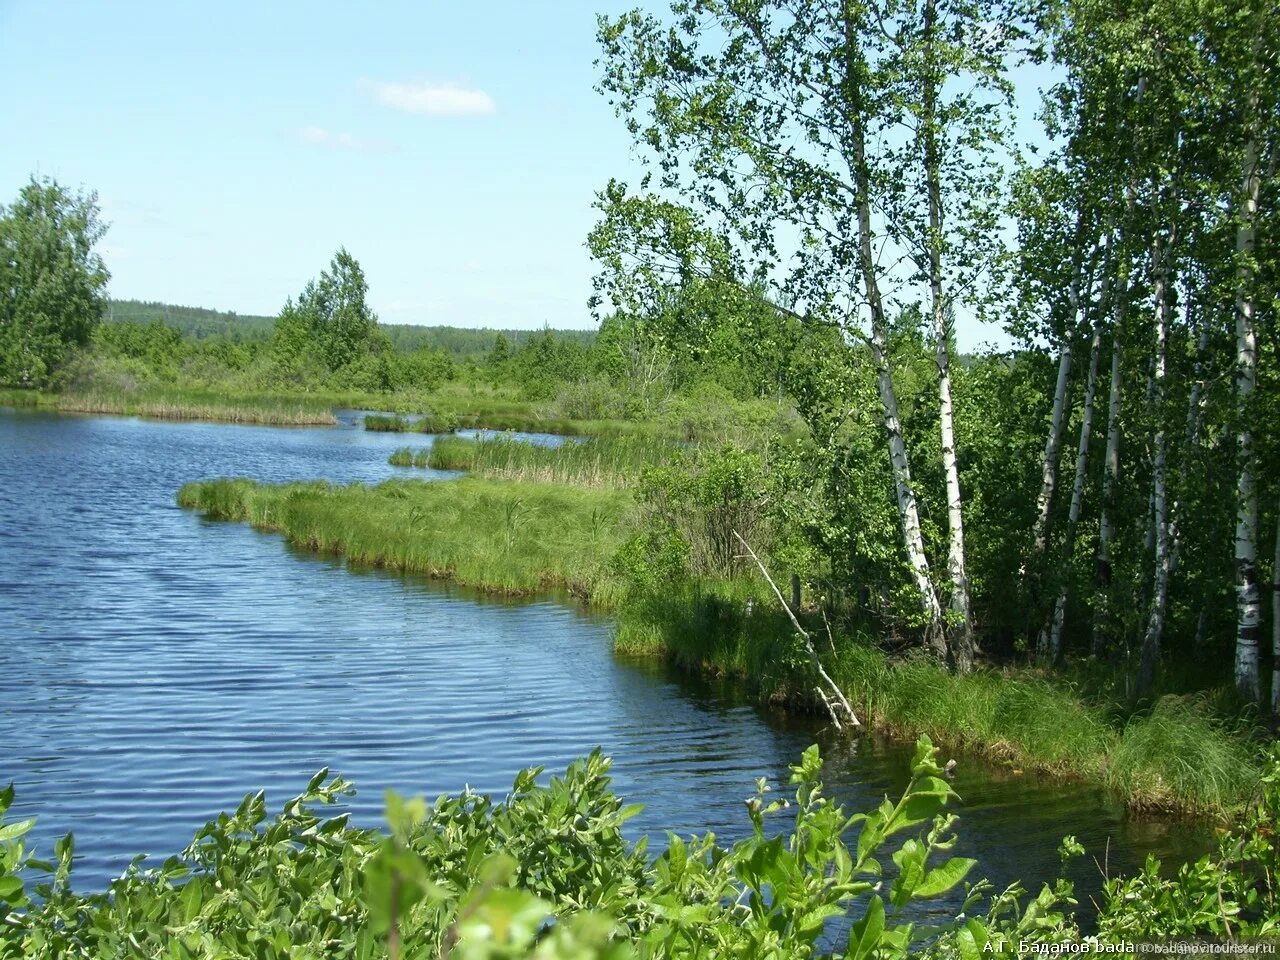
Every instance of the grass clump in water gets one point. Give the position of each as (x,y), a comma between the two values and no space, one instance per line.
(385,423)
(407,457)
(503,538)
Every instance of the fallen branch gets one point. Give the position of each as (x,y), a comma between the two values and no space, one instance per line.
(808,643)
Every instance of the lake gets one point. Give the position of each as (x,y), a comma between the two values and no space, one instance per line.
(156,666)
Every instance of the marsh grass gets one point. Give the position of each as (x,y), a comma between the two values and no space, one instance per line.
(609,461)
(515,417)
(534,519)
(501,538)
(163,404)
(270,410)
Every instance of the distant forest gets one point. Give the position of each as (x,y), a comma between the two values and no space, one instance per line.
(200,323)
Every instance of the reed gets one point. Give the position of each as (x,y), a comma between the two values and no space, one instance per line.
(189,405)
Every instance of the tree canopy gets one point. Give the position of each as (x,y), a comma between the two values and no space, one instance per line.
(52,280)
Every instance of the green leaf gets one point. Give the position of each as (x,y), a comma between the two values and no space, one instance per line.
(865,935)
(941,879)
(15,830)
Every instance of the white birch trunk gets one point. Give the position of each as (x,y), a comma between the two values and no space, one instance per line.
(1150,656)
(1052,649)
(1058,418)
(960,640)
(1111,463)
(1248,601)
(1111,459)
(908,508)
(1054,646)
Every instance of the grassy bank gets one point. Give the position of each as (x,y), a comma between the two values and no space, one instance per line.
(1180,757)
(259,409)
(532,519)
(404,411)
(501,538)
(527,420)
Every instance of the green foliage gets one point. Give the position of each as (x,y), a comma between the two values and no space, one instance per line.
(330,324)
(709,499)
(52,283)
(545,873)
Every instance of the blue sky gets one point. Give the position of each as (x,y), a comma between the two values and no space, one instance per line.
(454,149)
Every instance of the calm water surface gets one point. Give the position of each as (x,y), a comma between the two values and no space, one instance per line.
(155,667)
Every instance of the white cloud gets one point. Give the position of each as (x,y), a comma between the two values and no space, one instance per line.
(441,100)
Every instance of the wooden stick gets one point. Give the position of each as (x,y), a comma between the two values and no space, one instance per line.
(808,642)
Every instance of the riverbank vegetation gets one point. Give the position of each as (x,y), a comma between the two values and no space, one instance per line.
(547,874)
(653,545)
(1055,554)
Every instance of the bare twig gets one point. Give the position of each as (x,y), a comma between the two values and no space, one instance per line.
(808,642)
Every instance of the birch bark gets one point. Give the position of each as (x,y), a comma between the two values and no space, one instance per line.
(960,634)
(1248,601)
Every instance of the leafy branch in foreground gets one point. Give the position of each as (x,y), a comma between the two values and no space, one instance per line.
(544,873)
(547,873)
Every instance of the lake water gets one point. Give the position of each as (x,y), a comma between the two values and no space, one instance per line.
(156,666)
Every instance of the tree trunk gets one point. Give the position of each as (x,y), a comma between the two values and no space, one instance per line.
(1052,647)
(960,640)
(1275,626)
(1111,459)
(1111,464)
(1248,601)
(904,492)
(1160,255)
(1058,418)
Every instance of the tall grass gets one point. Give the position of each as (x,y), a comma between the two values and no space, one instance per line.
(610,461)
(1181,749)
(519,417)
(502,538)
(174,404)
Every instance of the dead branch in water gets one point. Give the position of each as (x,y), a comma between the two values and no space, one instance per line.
(808,643)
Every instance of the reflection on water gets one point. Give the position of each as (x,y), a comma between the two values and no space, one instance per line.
(157,666)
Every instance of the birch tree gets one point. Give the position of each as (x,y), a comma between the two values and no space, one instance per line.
(831,142)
